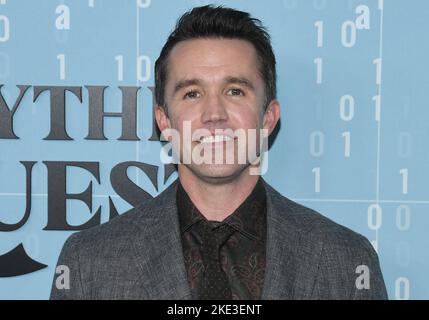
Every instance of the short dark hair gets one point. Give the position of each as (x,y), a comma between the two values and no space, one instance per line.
(219,22)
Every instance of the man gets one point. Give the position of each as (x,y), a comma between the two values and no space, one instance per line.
(219,231)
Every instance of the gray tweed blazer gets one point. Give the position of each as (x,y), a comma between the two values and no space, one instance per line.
(138,255)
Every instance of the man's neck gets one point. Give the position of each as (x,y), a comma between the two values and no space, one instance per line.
(216,201)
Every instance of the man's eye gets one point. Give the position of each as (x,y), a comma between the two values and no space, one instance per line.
(191,95)
(235,92)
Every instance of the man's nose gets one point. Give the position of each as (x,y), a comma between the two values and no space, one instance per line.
(214,109)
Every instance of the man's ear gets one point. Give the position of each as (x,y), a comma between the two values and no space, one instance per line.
(161,118)
(271,115)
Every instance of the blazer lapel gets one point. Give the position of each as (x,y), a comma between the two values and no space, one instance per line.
(158,249)
(291,257)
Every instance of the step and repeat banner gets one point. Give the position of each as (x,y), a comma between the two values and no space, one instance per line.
(78,145)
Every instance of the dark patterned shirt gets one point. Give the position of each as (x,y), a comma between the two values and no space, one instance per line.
(242,256)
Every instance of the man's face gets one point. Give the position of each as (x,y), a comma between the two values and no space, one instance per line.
(214,84)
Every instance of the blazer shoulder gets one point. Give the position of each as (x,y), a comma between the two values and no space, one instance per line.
(106,253)
(123,227)
(344,257)
(311,223)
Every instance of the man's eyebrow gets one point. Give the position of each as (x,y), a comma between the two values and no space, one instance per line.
(241,81)
(186,83)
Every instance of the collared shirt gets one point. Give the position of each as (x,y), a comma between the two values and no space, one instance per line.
(242,256)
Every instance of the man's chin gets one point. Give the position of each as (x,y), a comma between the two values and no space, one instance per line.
(218,172)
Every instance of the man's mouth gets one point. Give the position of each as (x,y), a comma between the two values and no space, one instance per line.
(215,138)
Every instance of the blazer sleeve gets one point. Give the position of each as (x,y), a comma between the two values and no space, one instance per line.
(376,290)
(349,269)
(67,284)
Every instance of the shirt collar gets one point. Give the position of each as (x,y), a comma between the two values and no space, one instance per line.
(249,218)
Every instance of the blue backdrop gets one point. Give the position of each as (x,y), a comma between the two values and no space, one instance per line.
(353,85)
